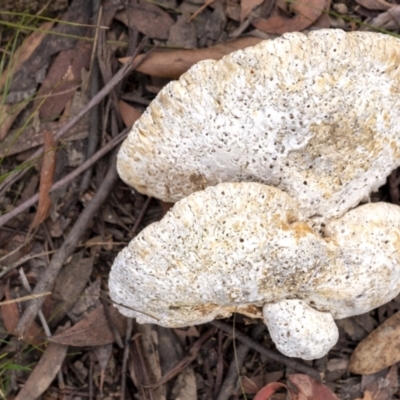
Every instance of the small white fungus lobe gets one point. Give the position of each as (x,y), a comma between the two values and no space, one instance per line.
(300,331)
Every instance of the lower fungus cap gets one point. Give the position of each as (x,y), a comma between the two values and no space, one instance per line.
(236,247)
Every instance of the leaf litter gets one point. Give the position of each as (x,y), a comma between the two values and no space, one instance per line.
(44,88)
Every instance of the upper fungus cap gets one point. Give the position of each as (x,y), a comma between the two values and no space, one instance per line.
(315,115)
(239,247)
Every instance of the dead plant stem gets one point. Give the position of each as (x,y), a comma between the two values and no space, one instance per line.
(47,280)
(290,362)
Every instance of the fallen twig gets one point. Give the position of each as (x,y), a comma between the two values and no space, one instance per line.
(71,241)
(230,382)
(290,362)
(128,336)
(185,361)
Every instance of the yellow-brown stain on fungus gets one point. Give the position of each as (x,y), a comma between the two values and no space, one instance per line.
(199,181)
(301,229)
(205,309)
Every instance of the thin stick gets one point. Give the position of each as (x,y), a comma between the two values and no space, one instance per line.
(128,336)
(43,321)
(231,379)
(47,280)
(93,138)
(185,361)
(30,202)
(290,362)
(141,215)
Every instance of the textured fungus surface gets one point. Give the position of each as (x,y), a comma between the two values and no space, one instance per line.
(238,246)
(315,115)
(299,330)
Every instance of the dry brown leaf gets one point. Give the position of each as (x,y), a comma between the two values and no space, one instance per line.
(233,10)
(308,388)
(67,288)
(379,349)
(172,64)
(24,52)
(129,114)
(8,114)
(253,384)
(46,179)
(44,373)
(149,344)
(268,390)
(185,387)
(247,6)
(380,386)
(389,20)
(92,330)
(10,314)
(183,33)
(62,80)
(367,396)
(307,12)
(324,20)
(147,18)
(375,4)
(200,9)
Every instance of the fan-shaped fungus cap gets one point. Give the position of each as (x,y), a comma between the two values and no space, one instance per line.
(315,115)
(236,247)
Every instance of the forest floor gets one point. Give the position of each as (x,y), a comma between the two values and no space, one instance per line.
(72,86)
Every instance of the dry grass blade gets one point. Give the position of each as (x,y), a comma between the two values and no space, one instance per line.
(24,298)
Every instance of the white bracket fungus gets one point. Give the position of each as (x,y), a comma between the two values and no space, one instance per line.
(315,115)
(248,248)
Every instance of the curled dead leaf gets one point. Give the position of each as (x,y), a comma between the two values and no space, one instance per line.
(308,388)
(93,329)
(44,373)
(172,64)
(147,18)
(247,6)
(389,20)
(46,179)
(268,390)
(307,12)
(379,350)
(381,5)
(129,114)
